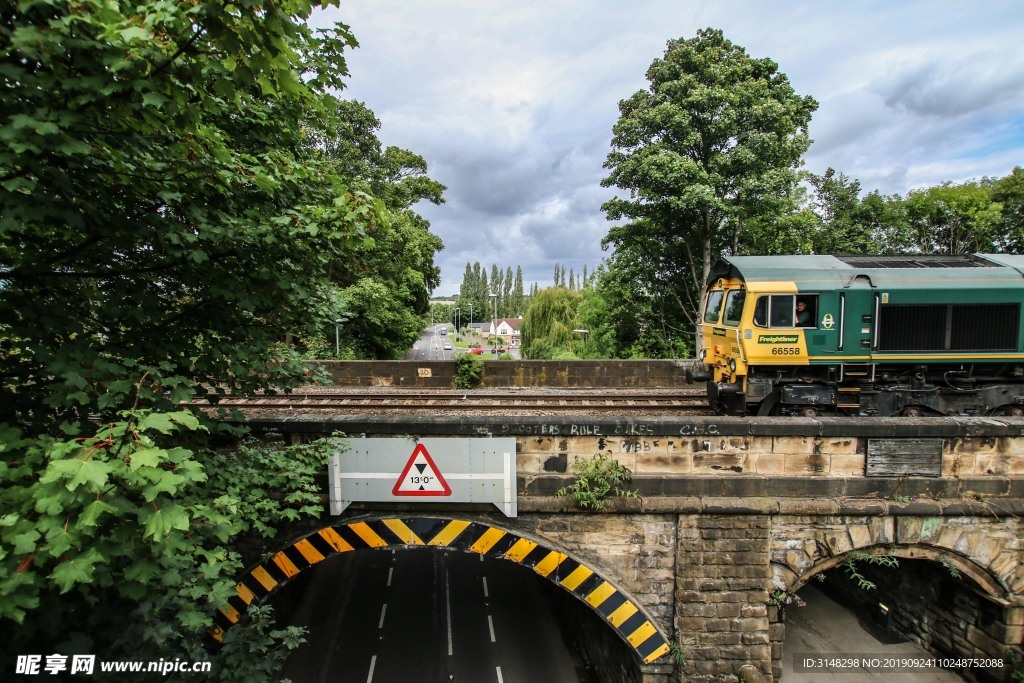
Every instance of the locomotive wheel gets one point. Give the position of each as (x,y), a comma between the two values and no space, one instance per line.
(770,405)
(1008,411)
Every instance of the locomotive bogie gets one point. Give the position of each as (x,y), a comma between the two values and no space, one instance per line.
(818,335)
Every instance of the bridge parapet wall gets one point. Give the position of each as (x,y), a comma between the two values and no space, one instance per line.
(611,374)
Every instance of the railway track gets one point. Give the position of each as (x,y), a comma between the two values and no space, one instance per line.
(468,402)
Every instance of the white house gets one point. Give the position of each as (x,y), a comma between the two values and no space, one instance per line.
(507,329)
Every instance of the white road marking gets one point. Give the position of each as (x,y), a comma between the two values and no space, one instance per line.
(490,627)
(391,571)
(383,610)
(373,664)
(498,669)
(448,601)
(486,594)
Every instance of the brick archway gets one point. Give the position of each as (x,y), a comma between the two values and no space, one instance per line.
(622,613)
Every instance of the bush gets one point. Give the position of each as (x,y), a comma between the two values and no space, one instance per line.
(468,368)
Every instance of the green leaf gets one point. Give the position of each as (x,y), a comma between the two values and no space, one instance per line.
(135,33)
(77,570)
(93,511)
(25,543)
(78,472)
(164,482)
(161,422)
(147,457)
(142,571)
(161,523)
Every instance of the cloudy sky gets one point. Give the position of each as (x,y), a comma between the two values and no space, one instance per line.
(512,103)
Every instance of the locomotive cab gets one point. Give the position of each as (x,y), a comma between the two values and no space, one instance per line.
(754,335)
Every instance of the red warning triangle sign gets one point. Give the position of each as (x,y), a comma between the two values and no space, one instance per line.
(421,477)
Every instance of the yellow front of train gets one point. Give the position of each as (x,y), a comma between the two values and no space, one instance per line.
(740,332)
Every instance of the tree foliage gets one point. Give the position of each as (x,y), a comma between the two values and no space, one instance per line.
(167,217)
(119,542)
(154,158)
(382,285)
(548,324)
(713,141)
(502,293)
(954,219)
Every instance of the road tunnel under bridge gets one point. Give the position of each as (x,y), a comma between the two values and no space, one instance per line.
(567,620)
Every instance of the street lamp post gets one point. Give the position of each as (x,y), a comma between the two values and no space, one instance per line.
(337,338)
(585,333)
(494,321)
(458,320)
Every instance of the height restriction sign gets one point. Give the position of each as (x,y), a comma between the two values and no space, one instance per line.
(421,476)
(425,472)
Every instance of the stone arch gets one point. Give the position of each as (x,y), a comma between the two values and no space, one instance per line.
(989,583)
(573,575)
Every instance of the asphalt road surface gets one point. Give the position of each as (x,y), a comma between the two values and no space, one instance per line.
(430,346)
(824,627)
(423,615)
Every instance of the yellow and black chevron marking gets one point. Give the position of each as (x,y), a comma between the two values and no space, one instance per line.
(604,598)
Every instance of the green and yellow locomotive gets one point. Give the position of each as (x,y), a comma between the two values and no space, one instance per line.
(865,335)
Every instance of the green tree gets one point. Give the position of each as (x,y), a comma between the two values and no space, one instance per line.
(399,260)
(548,324)
(843,226)
(714,141)
(518,296)
(955,219)
(643,311)
(1009,192)
(152,162)
(167,218)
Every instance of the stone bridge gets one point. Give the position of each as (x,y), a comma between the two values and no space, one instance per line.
(733,516)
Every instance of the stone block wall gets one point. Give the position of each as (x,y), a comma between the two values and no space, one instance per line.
(722,588)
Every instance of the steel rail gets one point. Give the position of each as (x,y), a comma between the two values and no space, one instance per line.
(462,401)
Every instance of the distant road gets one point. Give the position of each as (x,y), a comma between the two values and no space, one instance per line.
(423,615)
(431,346)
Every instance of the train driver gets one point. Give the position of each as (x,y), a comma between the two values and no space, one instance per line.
(804,316)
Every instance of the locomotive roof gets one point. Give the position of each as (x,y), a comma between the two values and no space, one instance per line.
(907,270)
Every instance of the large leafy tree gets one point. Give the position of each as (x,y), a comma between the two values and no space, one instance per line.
(548,324)
(164,211)
(383,284)
(713,142)
(955,219)
(166,217)
(1009,192)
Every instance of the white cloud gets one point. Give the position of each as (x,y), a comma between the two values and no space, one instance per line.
(512,104)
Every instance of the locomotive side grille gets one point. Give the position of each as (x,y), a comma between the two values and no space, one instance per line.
(957,327)
(912,328)
(985,327)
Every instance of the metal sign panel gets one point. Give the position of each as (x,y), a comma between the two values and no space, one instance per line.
(424,471)
(904,457)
